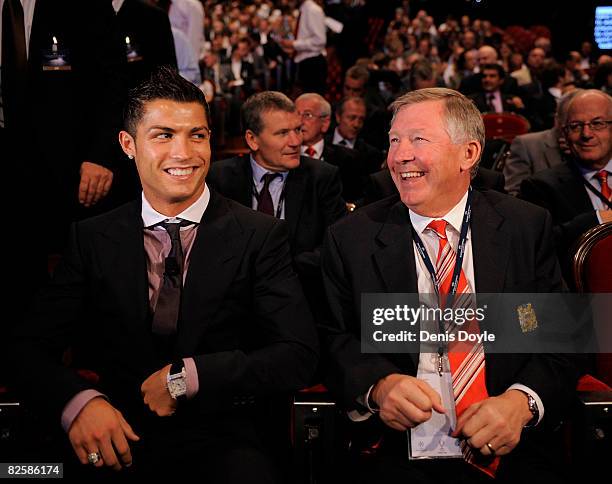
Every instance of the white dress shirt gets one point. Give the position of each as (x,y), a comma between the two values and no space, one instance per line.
(318,147)
(428,361)
(276,187)
(311,35)
(338,138)
(188,17)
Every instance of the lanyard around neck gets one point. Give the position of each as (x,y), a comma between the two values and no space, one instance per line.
(467,214)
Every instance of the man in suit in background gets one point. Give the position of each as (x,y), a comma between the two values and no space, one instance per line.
(490,98)
(577,193)
(436,139)
(308,47)
(316,117)
(533,152)
(350,117)
(183,303)
(275,179)
(61,88)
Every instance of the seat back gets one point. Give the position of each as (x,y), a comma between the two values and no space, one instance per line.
(505,126)
(592,267)
(592,264)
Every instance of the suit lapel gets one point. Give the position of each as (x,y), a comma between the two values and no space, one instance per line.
(215,257)
(574,191)
(121,252)
(490,246)
(242,182)
(295,187)
(394,261)
(551,153)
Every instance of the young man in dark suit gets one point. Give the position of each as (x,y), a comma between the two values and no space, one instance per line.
(306,193)
(185,305)
(436,140)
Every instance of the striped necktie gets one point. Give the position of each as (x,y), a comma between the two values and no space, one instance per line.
(467,361)
(602,176)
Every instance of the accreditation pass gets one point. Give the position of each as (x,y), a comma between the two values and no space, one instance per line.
(432,439)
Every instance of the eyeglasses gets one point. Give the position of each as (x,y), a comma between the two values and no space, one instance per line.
(310,116)
(595,125)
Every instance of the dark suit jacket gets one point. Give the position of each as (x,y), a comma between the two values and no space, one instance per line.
(371,252)
(312,202)
(380,185)
(68,116)
(244,320)
(350,165)
(150,33)
(371,157)
(480,100)
(561,191)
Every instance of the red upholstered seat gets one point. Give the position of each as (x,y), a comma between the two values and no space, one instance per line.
(504,126)
(593,274)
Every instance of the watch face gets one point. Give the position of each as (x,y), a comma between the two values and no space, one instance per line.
(177,386)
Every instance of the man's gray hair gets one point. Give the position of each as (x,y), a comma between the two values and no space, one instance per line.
(259,103)
(324,106)
(463,121)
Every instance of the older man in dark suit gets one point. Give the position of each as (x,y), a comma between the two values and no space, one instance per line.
(316,118)
(577,193)
(410,244)
(184,303)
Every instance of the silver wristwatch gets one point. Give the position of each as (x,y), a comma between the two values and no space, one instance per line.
(176,381)
(533,408)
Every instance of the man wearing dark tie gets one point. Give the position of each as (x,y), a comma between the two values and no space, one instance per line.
(60,108)
(442,237)
(183,303)
(306,193)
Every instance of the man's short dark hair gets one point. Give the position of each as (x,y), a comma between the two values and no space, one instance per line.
(165,83)
(494,67)
(261,102)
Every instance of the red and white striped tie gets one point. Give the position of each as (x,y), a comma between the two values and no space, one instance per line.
(466,359)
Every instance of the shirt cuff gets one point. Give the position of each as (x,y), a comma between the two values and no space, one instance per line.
(75,405)
(361,415)
(598,216)
(525,389)
(191,378)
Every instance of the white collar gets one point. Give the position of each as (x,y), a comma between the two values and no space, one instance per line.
(454,217)
(193,213)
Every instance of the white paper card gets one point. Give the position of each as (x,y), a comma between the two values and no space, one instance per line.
(431,439)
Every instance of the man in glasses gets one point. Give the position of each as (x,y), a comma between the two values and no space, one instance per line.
(315,112)
(578,193)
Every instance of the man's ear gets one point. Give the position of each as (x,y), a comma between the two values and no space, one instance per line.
(251,140)
(325,124)
(471,154)
(128,144)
